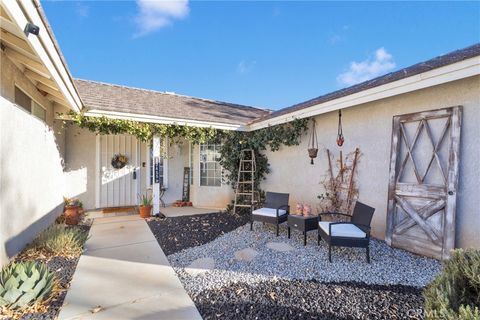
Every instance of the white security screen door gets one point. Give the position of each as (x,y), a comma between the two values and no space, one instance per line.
(118,186)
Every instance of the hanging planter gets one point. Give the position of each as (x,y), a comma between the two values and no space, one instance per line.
(313,144)
(340,138)
(119,161)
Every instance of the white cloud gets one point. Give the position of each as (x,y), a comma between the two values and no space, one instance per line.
(245,67)
(156,14)
(368,69)
(82,10)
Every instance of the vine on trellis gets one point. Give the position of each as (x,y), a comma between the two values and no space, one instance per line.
(272,138)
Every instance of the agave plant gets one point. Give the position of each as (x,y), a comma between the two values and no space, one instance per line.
(24,283)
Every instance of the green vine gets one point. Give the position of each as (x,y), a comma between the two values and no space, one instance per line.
(142,130)
(272,138)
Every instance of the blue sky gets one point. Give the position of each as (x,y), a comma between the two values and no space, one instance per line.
(266,53)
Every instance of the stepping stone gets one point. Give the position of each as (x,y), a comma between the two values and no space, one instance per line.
(279,246)
(200,266)
(246,255)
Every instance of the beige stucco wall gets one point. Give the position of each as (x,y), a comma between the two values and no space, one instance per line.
(207,197)
(31,158)
(80,165)
(368,127)
(80,172)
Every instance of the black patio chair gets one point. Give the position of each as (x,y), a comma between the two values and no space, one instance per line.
(355,233)
(274,211)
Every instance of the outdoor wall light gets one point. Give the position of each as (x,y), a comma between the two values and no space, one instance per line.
(31,28)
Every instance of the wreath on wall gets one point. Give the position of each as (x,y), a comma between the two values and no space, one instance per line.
(119,161)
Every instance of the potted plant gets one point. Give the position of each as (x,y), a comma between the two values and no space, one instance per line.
(145,207)
(71,210)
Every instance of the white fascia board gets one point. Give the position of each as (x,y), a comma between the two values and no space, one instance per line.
(163,120)
(26,11)
(452,72)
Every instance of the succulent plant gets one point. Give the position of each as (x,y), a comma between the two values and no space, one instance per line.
(61,240)
(24,283)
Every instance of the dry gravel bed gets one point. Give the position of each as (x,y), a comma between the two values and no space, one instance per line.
(178,233)
(299,284)
(64,269)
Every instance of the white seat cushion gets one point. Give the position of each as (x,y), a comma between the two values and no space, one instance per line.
(269,212)
(343,230)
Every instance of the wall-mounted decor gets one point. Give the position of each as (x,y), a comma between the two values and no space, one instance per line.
(340,138)
(340,188)
(119,161)
(313,145)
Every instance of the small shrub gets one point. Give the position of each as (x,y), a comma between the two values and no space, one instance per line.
(61,240)
(24,283)
(455,293)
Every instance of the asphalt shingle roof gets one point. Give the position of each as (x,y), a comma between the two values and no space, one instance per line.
(110,97)
(440,61)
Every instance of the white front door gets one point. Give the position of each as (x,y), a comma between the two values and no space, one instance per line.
(118,187)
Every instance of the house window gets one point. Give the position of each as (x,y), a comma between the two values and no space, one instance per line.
(210,169)
(24,101)
(38,111)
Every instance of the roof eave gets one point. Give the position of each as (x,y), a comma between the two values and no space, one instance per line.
(45,48)
(165,120)
(455,71)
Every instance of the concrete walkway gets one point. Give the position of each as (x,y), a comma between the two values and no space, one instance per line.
(124,274)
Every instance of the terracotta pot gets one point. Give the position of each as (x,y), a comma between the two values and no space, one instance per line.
(145,211)
(307,210)
(71,215)
(299,209)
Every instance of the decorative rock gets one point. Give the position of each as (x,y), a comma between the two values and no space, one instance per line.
(200,266)
(279,246)
(246,255)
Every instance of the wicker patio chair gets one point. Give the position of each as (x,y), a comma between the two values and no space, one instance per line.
(355,233)
(274,211)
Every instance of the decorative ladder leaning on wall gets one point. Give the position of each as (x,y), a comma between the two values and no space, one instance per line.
(245,189)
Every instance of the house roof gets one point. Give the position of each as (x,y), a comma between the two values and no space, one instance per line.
(121,99)
(440,61)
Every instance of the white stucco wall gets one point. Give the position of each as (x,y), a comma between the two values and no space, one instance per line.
(207,197)
(31,172)
(81,166)
(369,127)
(80,172)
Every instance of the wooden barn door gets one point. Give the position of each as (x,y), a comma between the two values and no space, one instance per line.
(423,181)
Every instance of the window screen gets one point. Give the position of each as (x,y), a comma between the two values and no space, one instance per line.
(210,169)
(38,111)
(22,100)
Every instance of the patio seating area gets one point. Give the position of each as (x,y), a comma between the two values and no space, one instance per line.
(240,267)
(331,180)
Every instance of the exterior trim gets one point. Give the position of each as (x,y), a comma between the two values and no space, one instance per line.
(452,72)
(164,120)
(25,11)
(97,171)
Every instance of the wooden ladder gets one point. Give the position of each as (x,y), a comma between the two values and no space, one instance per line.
(245,188)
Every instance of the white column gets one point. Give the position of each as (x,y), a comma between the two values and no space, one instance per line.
(156,179)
